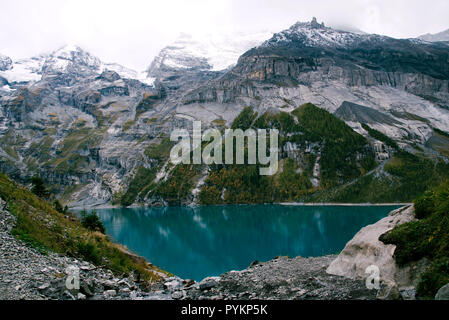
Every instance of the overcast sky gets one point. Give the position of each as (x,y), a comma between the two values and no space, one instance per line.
(132,32)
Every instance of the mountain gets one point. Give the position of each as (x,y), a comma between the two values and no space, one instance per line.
(5,62)
(440,36)
(71,61)
(310,62)
(62,104)
(361,117)
(213,52)
(191,61)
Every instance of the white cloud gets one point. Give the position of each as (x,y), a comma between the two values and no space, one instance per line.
(131,32)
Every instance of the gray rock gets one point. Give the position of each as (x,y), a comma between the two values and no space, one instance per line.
(443,293)
(109,294)
(408,294)
(85,289)
(44,286)
(389,291)
(69,295)
(208,284)
(177,295)
(366,250)
(133,295)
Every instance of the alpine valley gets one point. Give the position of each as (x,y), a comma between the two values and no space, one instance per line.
(362,118)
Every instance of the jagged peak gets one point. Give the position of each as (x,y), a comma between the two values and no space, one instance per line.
(206,51)
(314,34)
(69,50)
(314,24)
(70,57)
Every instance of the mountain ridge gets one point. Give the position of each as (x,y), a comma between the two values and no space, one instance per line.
(99,136)
(436,37)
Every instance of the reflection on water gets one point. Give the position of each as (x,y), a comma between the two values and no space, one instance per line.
(206,241)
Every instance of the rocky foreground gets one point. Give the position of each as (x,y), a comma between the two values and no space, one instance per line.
(25,273)
(280,279)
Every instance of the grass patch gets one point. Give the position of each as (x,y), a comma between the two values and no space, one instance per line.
(43,228)
(127,125)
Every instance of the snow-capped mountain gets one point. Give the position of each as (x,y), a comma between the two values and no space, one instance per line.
(70,60)
(128,73)
(441,36)
(314,34)
(213,52)
(310,62)
(79,121)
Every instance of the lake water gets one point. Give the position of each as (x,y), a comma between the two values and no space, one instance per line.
(206,241)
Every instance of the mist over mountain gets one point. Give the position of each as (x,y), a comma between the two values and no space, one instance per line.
(440,36)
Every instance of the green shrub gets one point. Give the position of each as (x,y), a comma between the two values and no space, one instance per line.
(58,207)
(91,221)
(426,238)
(245,119)
(434,278)
(39,188)
(89,252)
(30,240)
(424,205)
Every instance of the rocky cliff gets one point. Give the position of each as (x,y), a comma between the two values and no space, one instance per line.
(97,132)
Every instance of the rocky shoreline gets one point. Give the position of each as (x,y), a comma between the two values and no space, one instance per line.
(26,274)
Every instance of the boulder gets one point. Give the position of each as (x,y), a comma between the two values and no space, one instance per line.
(388,291)
(365,250)
(109,75)
(177,295)
(443,293)
(209,283)
(109,294)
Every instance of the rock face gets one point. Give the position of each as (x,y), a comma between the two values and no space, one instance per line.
(365,250)
(86,126)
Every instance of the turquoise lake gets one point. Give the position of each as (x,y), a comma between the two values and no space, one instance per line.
(206,241)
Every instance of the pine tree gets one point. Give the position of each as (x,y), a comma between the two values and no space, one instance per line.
(39,188)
